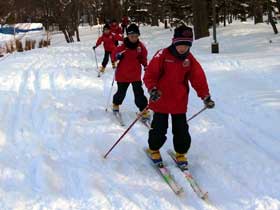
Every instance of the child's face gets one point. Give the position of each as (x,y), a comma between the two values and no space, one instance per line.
(106,31)
(133,38)
(181,49)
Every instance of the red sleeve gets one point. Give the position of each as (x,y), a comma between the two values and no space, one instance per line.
(197,78)
(144,54)
(116,51)
(118,37)
(119,30)
(99,41)
(153,71)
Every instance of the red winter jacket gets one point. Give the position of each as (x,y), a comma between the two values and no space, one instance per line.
(115,29)
(125,21)
(109,41)
(129,67)
(170,75)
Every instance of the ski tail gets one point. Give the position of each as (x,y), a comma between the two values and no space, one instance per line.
(166,175)
(119,118)
(194,185)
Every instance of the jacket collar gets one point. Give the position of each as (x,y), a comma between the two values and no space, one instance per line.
(131,45)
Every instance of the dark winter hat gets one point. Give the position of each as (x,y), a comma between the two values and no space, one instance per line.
(132,29)
(183,35)
(106,26)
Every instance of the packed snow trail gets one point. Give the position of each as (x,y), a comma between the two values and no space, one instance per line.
(54,129)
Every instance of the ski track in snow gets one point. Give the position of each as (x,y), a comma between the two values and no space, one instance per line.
(54,129)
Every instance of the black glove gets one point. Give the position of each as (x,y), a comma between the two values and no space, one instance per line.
(209,103)
(119,56)
(154,94)
(94,47)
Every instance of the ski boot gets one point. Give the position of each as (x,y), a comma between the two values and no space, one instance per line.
(146,117)
(181,161)
(113,65)
(116,108)
(102,69)
(155,156)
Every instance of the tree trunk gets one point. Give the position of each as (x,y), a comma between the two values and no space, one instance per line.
(165,24)
(154,21)
(230,19)
(278,4)
(154,11)
(200,19)
(78,34)
(66,35)
(225,13)
(112,9)
(77,23)
(70,34)
(117,6)
(270,17)
(258,11)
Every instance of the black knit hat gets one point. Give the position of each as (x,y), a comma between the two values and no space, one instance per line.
(132,29)
(106,26)
(183,35)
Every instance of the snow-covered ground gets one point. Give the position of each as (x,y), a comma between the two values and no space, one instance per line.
(54,130)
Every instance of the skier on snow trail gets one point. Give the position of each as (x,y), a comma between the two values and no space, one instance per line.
(125,22)
(131,55)
(116,30)
(167,78)
(108,39)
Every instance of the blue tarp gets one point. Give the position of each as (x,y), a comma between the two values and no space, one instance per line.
(7,30)
(12,30)
(27,30)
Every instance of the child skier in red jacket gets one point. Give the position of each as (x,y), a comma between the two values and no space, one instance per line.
(116,30)
(131,55)
(167,78)
(108,40)
(125,22)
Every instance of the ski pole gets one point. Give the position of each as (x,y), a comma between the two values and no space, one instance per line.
(96,60)
(131,125)
(110,93)
(195,115)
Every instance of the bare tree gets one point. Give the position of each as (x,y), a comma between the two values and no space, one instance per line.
(200,18)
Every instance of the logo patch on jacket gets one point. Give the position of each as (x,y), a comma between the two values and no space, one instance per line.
(186,63)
